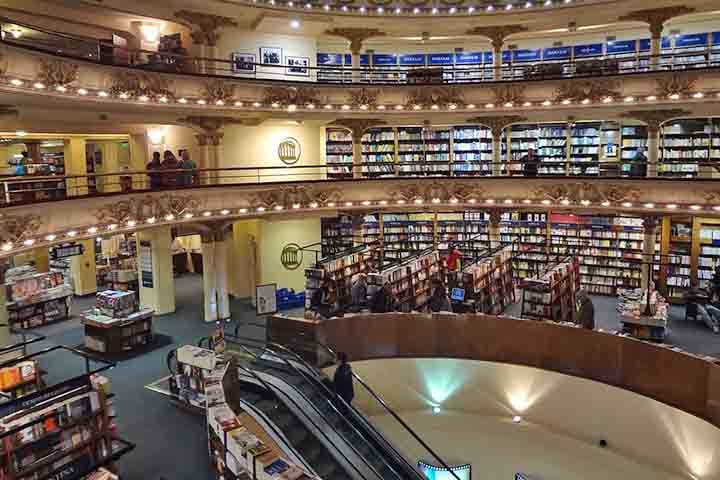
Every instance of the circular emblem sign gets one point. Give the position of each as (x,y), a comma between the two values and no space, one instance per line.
(289,151)
(291,256)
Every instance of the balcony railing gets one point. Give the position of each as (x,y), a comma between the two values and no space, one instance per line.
(18,190)
(104,52)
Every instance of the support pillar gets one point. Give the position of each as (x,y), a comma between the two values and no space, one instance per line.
(497,125)
(76,164)
(215,252)
(494,227)
(155,270)
(210,142)
(355,64)
(83,269)
(356,37)
(110,164)
(497,62)
(653,146)
(139,160)
(357,127)
(497,35)
(205,34)
(649,228)
(42,259)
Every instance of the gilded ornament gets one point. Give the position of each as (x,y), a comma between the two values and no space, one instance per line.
(363,96)
(357,126)
(656,17)
(514,94)
(139,208)
(497,34)
(592,90)
(219,91)
(17,228)
(54,73)
(675,84)
(291,95)
(206,26)
(356,36)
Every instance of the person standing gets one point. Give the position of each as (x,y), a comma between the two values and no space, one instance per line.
(530,163)
(716,281)
(153,168)
(189,175)
(343,379)
(439,302)
(382,300)
(358,291)
(453,258)
(638,168)
(170,164)
(586,311)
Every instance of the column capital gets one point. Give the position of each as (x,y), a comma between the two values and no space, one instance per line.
(357,125)
(206,27)
(496,124)
(210,138)
(650,222)
(356,36)
(656,17)
(654,118)
(214,231)
(497,34)
(210,128)
(495,216)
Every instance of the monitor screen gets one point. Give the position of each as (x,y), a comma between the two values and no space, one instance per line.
(458,294)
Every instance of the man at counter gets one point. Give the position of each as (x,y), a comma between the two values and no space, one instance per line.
(383,300)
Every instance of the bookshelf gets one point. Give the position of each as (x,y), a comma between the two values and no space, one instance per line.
(378,152)
(337,234)
(472,150)
(116,324)
(529,231)
(706,242)
(551,295)
(636,321)
(634,141)
(38,299)
(489,281)
(675,266)
(410,151)
(684,143)
(193,368)
(338,269)
(404,234)
(339,153)
(411,280)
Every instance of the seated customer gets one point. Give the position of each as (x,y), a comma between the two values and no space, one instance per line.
(439,302)
(382,300)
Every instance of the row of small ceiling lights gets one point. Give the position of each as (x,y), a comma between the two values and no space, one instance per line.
(345,107)
(95,231)
(470,10)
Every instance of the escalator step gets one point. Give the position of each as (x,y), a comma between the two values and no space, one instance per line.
(266,405)
(296,435)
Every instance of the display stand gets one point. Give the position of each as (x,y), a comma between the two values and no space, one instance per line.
(66,430)
(187,385)
(116,325)
(488,283)
(37,299)
(551,296)
(641,316)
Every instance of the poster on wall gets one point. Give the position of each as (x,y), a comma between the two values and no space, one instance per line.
(297,66)
(266,299)
(243,62)
(271,55)
(146,268)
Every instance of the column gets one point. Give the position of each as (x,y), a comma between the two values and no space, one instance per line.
(355,64)
(110,164)
(139,160)
(356,37)
(210,142)
(653,146)
(497,61)
(205,33)
(155,270)
(497,35)
(357,153)
(243,272)
(357,127)
(42,259)
(83,269)
(215,247)
(649,228)
(76,164)
(494,227)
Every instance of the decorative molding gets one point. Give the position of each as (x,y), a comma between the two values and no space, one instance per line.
(445,192)
(291,95)
(514,94)
(419,96)
(357,125)
(55,73)
(17,228)
(650,222)
(448,95)
(206,31)
(675,84)
(434,96)
(580,191)
(8,110)
(135,85)
(219,91)
(291,195)
(497,34)
(593,90)
(356,36)
(655,118)
(497,124)
(210,128)
(656,17)
(363,96)
(138,208)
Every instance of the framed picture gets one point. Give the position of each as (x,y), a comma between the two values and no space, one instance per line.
(243,62)
(297,66)
(271,55)
(266,299)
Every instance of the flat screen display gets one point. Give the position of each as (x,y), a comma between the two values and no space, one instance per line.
(458,294)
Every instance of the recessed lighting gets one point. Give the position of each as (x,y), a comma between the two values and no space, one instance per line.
(326,7)
(39,85)
(310,106)
(416,10)
(348,204)
(418,201)
(50,237)
(131,223)
(238,104)
(291,108)
(29,242)
(327,107)
(452,106)
(489,8)
(308,6)
(527,104)
(366,202)
(143,98)
(607,99)
(207,214)
(224,211)
(261,209)
(331,204)
(548,3)
(82,91)
(169,217)
(256,104)
(695,207)
(188,215)
(567,101)
(71,233)
(716,208)
(381,107)
(454,200)
(401,202)
(517,419)
(434,107)
(585,203)
(698,95)
(627,204)
(528,4)
(565,201)
(296,206)
(363,107)
(651,98)
(489,105)
(472,200)
(436,409)
(508,201)
(398,10)
(92,230)
(345,107)
(508,104)
(470,106)
(219,102)
(380,10)
(629,99)
(435,200)
(649,205)
(527,201)
(671,206)
(16,82)
(61,88)
(278,207)
(399,107)
(151,220)
(201,102)
(363,9)
(545,202)
(452,10)
(434,10)
(585,101)
(490,201)
(7,246)
(471,9)
(294,23)
(509,6)
(547,103)
(416,107)
(313,204)
(182,100)
(674,96)
(605,203)
(344,8)
(383,202)
(123,96)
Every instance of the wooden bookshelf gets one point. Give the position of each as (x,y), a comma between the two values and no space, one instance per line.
(489,283)
(551,295)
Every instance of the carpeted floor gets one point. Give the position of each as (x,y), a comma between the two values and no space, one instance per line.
(171,443)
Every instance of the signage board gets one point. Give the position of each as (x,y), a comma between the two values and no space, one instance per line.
(66,250)
(145,264)
(266,299)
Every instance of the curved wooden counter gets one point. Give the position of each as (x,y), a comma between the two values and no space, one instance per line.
(688,382)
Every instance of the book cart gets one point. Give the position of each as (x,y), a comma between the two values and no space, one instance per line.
(551,295)
(66,430)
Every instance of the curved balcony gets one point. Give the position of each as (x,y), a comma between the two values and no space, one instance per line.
(68,208)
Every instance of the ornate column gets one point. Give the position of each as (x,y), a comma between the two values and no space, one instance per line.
(357,127)
(497,35)
(654,119)
(497,125)
(650,224)
(356,37)
(215,252)
(205,34)
(656,18)
(494,227)
(155,269)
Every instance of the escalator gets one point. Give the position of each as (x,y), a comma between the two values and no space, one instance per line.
(334,439)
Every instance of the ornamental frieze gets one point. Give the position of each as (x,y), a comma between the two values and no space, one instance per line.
(363,96)
(592,90)
(291,95)
(17,228)
(586,191)
(293,195)
(219,91)
(438,191)
(139,208)
(509,94)
(57,73)
(669,85)
(137,85)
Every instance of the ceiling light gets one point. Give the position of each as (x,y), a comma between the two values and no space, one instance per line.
(256,104)
(345,107)
(651,98)
(698,95)
(92,230)
(348,204)
(508,201)
(527,201)
(401,202)
(143,98)
(383,202)
(517,419)
(472,200)
(399,107)
(7,246)
(674,96)
(61,88)
(435,200)
(327,107)
(71,233)
(649,205)
(201,102)
(398,10)
(565,201)
(20,133)
(508,104)
(326,7)
(470,106)
(627,204)
(294,23)
(344,8)
(82,91)
(605,203)
(219,102)
(509,6)
(362,10)
(207,214)
(224,211)
(308,6)
(188,215)
(490,201)
(585,202)
(452,106)
(278,207)
(163,99)
(489,105)
(182,100)
(568,1)
(123,96)
(261,209)
(39,85)
(112,226)
(29,242)
(243,210)
(471,9)
(366,202)
(291,108)
(454,200)
(363,107)
(16,82)
(629,99)
(547,3)
(380,10)
(528,4)
(671,206)
(527,104)
(585,101)
(169,217)
(416,10)
(607,99)
(310,106)
(716,208)
(434,10)
(547,103)
(151,220)
(131,223)
(567,101)
(695,207)
(452,10)
(490,8)
(436,409)
(381,107)
(313,204)
(434,107)
(50,237)
(545,202)
(418,201)
(296,206)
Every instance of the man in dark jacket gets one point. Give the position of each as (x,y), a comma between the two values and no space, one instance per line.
(586,311)
(343,379)
(530,163)
(382,300)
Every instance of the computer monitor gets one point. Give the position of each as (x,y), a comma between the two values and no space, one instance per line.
(458,294)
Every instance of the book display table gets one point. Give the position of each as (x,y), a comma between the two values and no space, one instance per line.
(116,325)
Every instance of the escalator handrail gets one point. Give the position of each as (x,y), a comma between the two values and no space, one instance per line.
(319,429)
(371,428)
(391,412)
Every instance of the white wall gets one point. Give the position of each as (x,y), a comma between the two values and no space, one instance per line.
(667,442)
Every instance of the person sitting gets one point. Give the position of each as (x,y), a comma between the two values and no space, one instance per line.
(439,301)
(382,300)
(708,313)
(324,302)
(358,292)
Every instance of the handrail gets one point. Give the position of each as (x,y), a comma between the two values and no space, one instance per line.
(270,388)
(470,73)
(387,407)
